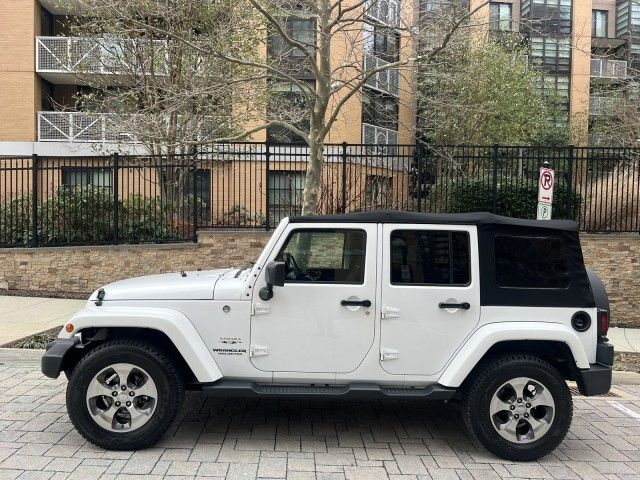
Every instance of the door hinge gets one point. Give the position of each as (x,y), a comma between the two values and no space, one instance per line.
(388,354)
(258,351)
(260,309)
(390,312)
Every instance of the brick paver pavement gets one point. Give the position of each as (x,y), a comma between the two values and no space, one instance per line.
(323,440)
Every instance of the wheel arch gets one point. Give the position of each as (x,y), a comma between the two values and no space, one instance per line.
(552,342)
(166,328)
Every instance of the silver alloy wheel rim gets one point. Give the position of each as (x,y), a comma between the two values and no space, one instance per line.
(522,410)
(122,397)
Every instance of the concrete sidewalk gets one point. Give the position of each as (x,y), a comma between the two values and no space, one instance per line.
(24,316)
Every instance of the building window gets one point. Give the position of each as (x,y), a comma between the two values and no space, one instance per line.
(530,262)
(286,189)
(382,42)
(546,16)
(430,257)
(324,256)
(202,189)
(554,54)
(288,104)
(600,24)
(378,191)
(302,30)
(500,16)
(379,109)
(87,176)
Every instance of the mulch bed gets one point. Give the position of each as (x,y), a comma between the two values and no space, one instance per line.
(43,293)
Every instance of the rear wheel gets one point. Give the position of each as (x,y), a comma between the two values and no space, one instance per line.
(124,395)
(518,407)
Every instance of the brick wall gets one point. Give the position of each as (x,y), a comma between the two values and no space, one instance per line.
(616,259)
(81,270)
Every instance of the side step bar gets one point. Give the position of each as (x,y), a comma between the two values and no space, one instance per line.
(239,388)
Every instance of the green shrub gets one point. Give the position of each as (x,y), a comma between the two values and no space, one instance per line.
(515,198)
(15,221)
(145,219)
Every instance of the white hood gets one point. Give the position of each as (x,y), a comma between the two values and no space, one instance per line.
(197,285)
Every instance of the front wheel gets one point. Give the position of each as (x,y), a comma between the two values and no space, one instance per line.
(124,395)
(518,407)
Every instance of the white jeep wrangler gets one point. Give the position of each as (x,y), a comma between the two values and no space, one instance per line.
(495,311)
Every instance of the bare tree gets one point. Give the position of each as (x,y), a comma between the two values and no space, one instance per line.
(324,66)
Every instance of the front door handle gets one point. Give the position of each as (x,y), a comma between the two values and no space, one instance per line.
(463,305)
(356,303)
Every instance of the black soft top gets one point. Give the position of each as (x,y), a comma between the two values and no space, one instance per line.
(475,218)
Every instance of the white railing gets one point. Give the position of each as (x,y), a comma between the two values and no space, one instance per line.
(80,127)
(387,80)
(99,55)
(606,68)
(386,12)
(373,135)
(83,127)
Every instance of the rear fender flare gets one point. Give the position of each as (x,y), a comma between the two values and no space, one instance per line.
(174,324)
(472,351)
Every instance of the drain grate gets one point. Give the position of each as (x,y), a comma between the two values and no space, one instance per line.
(610,394)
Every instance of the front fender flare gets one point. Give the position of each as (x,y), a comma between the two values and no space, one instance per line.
(468,356)
(172,323)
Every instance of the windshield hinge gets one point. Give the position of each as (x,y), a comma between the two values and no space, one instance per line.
(260,309)
(258,351)
(388,354)
(390,312)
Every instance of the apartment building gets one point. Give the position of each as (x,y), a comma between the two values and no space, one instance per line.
(584,47)
(40,62)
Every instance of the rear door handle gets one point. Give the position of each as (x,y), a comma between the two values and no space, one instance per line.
(463,305)
(356,303)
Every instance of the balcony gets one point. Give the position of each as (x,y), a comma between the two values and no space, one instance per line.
(387,81)
(73,60)
(385,12)
(608,69)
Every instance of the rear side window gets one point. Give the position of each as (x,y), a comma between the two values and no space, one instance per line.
(324,256)
(530,262)
(430,257)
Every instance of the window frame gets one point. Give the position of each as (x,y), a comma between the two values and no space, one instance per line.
(88,171)
(538,237)
(436,285)
(496,25)
(598,14)
(326,230)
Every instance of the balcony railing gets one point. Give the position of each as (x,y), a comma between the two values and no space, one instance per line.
(387,80)
(99,55)
(606,68)
(83,127)
(602,105)
(386,12)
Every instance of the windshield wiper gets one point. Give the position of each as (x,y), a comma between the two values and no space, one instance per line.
(249,265)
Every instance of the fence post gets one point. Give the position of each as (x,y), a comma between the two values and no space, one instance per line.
(344,177)
(267,157)
(569,199)
(34,200)
(494,195)
(116,217)
(417,157)
(194,195)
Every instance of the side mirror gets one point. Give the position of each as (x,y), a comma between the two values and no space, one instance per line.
(274,274)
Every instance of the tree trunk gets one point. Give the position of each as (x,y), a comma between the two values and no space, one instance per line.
(312,181)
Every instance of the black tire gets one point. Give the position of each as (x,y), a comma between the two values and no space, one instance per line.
(488,378)
(160,367)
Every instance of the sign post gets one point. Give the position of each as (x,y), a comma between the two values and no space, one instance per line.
(546,181)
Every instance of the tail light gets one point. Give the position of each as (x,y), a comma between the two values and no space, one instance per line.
(603,322)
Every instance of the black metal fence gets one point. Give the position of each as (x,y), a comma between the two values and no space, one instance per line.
(166,198)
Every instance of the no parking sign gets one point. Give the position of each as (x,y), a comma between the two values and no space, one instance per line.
(546,181)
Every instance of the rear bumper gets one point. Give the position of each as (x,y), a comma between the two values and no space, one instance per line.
(52,360)
(596,380)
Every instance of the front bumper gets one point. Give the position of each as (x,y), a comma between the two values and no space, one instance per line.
(596,380)
(53,359)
